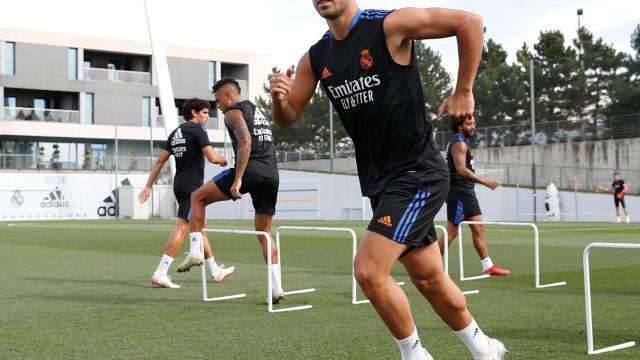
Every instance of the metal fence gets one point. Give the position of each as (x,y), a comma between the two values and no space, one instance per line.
(615,127)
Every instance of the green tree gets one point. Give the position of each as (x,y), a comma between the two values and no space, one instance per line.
(625,95)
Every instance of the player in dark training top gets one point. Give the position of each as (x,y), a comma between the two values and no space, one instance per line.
(619,187)
(367,66)
(189,145)
(462,203)
(255,172)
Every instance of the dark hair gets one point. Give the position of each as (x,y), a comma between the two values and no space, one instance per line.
(616,173)
(455,122)
(224,81)
(194,104)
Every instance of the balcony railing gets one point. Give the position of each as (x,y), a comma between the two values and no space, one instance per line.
(212,123)
(55,115)
(125,76)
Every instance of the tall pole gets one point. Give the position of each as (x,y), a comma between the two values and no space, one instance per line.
(533,138)
(331,136)
(161,70)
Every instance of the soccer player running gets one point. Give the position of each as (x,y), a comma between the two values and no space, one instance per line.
(255,172)
(619,187)
(367,66)
(189,144)
(462,203)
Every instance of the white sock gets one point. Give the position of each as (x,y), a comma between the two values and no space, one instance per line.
(487,264)
(195,244)
(411,348)
(163,267)
(211,263)
(475,340)
(618,219)
(275,276)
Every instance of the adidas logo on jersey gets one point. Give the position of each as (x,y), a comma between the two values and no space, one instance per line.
(326,73)
(385,220)
(178,138)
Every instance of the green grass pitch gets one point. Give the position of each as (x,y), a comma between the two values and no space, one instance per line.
(80,290)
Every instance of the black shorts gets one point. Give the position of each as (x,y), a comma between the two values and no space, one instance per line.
(619,201)
(405,210)
(461,206)
(263,190)
(183,197)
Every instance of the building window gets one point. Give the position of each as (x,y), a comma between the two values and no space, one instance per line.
(9,58)
(72,55)
(146,111)
(212,74)
(10,104)
(88,108)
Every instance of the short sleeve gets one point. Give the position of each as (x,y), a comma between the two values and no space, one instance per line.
(202,138)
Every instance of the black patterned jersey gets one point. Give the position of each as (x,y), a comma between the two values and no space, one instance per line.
(379,102)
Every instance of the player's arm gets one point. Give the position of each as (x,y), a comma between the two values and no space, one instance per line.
(459,155)
(602,189)
(290,96)
(235,121)
(213,156)
(162,159)
(404,25)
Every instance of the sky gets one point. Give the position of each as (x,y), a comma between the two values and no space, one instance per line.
(285,29)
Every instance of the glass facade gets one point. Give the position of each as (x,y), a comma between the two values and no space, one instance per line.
(88,108)
(9,58)
(72,55)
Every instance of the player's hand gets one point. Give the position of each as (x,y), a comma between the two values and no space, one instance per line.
(491,184)
(220,160)
(235,188)
(280,85)
(144,195)
(458,105)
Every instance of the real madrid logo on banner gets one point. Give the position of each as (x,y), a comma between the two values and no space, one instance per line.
(17,199)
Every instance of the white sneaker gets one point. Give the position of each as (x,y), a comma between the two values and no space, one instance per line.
(189,262)
(277,295)
(429,357)
(496,351)
(163,282)
(617,221)
(222,273)
(628,220)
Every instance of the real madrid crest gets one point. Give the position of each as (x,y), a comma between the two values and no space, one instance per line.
(366,61)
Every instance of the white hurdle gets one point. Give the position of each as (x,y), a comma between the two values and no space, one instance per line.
(587,295)
(536,242)
(269,281)
(446,256)
(354,246)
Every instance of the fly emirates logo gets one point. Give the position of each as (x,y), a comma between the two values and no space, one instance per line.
(355,92)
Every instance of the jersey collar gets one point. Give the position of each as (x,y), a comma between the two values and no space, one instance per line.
(461,137)
(353,23)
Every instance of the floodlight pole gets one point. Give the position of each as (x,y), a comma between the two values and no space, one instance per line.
(161,69)
(533,138)
(330,136)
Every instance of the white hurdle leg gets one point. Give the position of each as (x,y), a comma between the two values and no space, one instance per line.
(354,246)
(446,256)
(587,296)
(205,297)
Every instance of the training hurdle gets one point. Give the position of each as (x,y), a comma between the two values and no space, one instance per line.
(536,244)
(587,295)
(269,280)
(446,256)
(354,248)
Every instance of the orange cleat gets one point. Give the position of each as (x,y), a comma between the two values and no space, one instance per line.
(495,270)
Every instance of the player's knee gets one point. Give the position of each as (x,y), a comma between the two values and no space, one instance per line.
(366,276)
(430,282)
